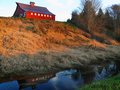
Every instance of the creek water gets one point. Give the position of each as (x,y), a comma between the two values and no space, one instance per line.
(64,80)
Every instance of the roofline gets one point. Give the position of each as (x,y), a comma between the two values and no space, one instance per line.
(29,4)
(19,6)
(35,5)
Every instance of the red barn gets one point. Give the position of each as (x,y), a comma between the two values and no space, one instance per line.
(32,11)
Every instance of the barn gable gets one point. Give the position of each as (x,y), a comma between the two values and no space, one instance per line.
(32,11)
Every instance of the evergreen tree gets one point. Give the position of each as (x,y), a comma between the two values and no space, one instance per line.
(100,21)
(100,13)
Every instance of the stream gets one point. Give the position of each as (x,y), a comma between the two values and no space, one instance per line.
(64,80)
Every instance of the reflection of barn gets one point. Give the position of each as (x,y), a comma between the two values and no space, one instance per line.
(32,11)
(31,82)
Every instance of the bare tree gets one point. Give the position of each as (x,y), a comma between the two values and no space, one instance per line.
(88,11)
(75,19)
(96,4)
(91,18)
(86,16)
(116,15)
(113,21)
(100,21)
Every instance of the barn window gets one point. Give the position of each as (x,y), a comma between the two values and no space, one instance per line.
(31,13)
(38,14)
(47,15)
(50,16)
(41,14)
(35,14)
(44,15)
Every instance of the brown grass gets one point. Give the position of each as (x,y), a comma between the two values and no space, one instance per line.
(31,36)
(105,38)
(44,62)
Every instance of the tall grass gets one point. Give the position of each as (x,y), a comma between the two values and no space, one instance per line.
(112,83)
(52,61)
(20,35)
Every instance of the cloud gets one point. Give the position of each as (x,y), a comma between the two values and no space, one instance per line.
(62,8)
(55,3)
(108,3)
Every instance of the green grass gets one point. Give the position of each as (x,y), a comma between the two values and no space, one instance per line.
(107,84)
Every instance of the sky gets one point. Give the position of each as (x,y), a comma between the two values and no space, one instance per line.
(61,8)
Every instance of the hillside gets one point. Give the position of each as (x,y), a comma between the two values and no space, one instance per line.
(28,45)
(31,36)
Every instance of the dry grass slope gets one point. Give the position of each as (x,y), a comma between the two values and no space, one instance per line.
(28,45)
(29,36)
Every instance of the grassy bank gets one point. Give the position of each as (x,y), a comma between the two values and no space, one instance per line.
(47,61)
(112,83)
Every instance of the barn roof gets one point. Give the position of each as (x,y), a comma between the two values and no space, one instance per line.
(36,9)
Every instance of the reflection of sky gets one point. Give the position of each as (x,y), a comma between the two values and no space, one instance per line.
(29,88)
(9,86)
(64,80)
(63,83)
(105,72)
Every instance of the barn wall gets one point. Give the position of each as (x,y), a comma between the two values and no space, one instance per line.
(38,16)
(18,12)
(53,17)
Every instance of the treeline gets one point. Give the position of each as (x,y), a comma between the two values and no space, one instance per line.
(91,18)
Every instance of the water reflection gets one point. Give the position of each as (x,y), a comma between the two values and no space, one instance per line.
(65,80)
(13,85)
(106,71)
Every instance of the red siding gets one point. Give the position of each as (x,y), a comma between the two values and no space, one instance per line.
(38,16)
(21,13)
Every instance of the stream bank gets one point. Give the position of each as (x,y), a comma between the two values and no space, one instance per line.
(63,80)
(51,61)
